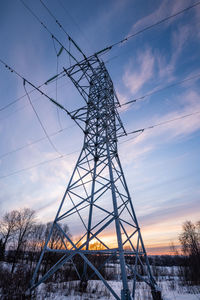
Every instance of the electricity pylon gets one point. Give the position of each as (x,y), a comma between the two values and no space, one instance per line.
(97,198)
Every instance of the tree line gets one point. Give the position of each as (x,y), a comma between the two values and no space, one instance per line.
(22,239)
(190,241)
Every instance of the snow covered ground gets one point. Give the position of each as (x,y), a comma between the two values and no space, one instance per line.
(96,290)
(166,277)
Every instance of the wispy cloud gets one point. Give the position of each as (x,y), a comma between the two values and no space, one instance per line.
(171,211)
(143,71)
(148,65)
(167,65)
(149,140)
(165,9)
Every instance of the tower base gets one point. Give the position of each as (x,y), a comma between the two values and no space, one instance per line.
(156,294)
(125,295)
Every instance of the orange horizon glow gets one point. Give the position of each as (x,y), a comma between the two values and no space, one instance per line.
(151,249)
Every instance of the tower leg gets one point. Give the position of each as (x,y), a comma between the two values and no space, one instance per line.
(83,286)
(156,295)
(125,295)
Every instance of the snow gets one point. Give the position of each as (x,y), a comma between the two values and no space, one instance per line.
(97,290)
(167,280)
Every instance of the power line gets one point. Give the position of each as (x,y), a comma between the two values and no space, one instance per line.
(123,104)
(161,89)
(172,120)
(39,120)
(37,165)
(160,124)
(66,128)
(154,24)
(40,91)
(62,46)
(57,63)
(126,103)
(52,35)
(34,142)
(31,91)
(75,22)
(63,29)
(35,99)
(27,104)
(131,101)
(139,131)
(107,48)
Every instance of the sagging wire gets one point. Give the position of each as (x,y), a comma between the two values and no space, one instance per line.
(133,138)
(70,63)
(158,124)
(42,93)
(140,131)
(39,120)
(57,66)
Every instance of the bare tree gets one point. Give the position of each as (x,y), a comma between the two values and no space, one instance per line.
(190,241)
(8,227)
(35,244)
(24,226)
(57,239)
(37,237)
(190,238)
(2,250)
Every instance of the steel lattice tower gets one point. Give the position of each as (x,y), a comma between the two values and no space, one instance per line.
(97,195)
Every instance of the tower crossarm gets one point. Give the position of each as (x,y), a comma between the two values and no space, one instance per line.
(96,88)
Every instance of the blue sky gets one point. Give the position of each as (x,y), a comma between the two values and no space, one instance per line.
(162,165)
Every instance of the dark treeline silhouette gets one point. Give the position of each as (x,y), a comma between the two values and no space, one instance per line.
(22,239)
(21,242)
(190,241)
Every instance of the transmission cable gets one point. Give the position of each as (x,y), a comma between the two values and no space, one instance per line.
(159,124)
(139,131)
(27,104)
(46,28)
(62,28)
(151,26)
(41,92)
(75,22)
(51,80)
(39,120)
(34,142)
(37,165)
(126,103)
(57,65)
(107,48)
(70,63)
(161,89)
(56,39)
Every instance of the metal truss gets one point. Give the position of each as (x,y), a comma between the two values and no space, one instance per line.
(97,196)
